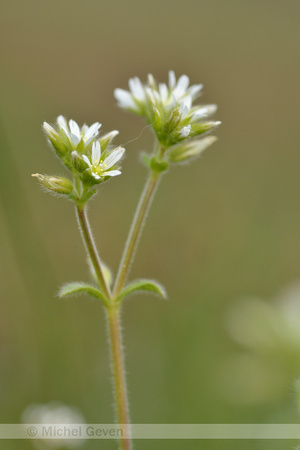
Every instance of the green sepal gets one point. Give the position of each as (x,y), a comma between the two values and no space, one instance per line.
(142,285)
(202,127)
(78,288)
(158,165)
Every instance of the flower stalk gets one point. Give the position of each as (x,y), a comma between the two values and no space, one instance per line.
(91,249)
(135,231)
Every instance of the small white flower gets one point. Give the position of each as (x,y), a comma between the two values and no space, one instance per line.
(75,134)
(137,88)
(130,100)
(100,168)
(164,95)
(181,88)
(185,131)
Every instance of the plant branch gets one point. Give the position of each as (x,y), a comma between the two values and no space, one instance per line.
(91,249)
(135,231)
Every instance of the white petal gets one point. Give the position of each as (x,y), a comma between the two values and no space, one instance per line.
(112,173)
(92,131)
(164,92)
(194,90)
(183,110)
(187,102)
(113,157)
(74,128)
(150,95)
(87,160)
(156,95)
(137,88)
(125,99)
(96,176)
(204,112)
(151,81)
(181,87)
(96,153)
(61,121)
(74,139)
(172,79)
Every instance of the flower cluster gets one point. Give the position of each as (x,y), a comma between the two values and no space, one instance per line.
(169,109)
(88,156)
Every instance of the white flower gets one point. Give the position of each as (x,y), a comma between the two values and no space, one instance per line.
(140,94)
(75,134)
(168,108)
(130,100)
(54,413)
(100,168)
(181,88)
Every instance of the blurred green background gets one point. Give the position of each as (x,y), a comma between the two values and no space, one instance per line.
(223,228)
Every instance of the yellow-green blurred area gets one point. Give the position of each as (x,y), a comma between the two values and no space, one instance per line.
(224,228)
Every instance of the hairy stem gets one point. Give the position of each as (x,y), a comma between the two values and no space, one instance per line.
(135,231)
(91,249)
(113,315)
(115,337)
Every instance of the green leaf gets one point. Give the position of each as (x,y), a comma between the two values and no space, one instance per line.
(142,285)
(78,288)
(158,165)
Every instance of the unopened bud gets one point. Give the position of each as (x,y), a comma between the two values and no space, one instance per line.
(201,127)
(191,149)
(78,162)
(107,138)
(56,184)
(56,140)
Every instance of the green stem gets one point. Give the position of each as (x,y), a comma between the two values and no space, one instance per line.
(115,336)
(91,249)
(135,231)
(113,315)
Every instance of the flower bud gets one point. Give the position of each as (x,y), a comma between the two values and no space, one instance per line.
(56,184)
(190,149)
(107,138)
(78,162)
(202,127)
(56,140)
